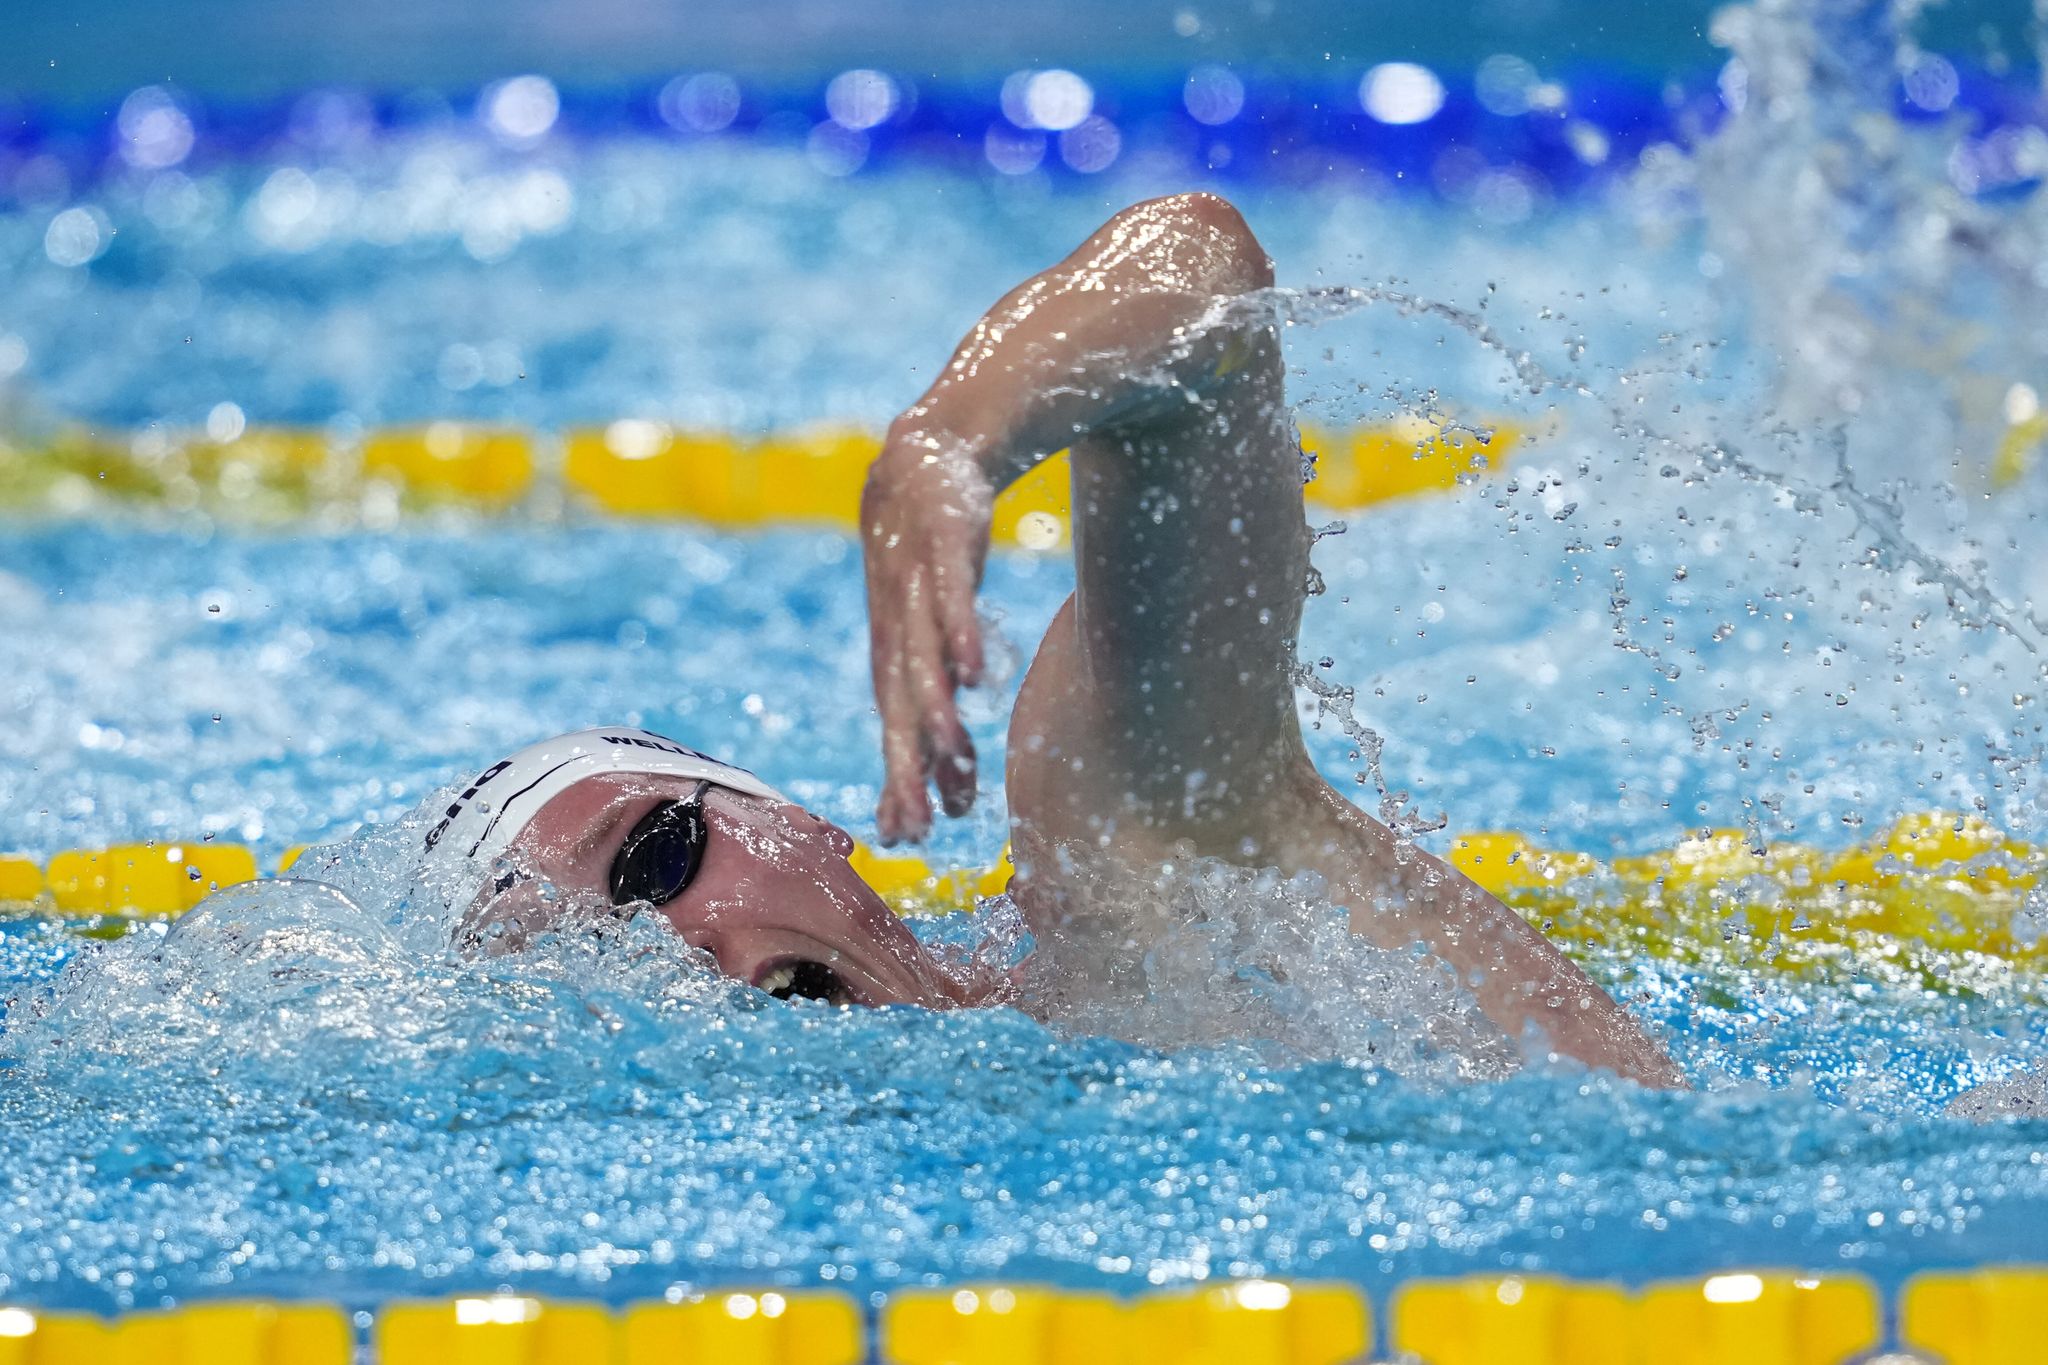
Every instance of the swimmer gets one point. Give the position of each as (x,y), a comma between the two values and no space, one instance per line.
(1156,722)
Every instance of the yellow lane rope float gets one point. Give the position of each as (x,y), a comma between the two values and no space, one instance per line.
(1952,883)
(1759,1317)
(630,468)
(2018,449)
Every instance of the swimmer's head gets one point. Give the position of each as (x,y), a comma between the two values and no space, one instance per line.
(651,826)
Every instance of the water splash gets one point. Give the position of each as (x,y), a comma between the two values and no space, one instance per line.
(1339,702)
(1804,473)
(1878,514)
(348,966)
(1200,953)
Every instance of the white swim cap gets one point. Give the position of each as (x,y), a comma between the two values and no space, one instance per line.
(488,814)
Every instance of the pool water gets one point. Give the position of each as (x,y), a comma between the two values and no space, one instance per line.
(299,1094)
(1758,574)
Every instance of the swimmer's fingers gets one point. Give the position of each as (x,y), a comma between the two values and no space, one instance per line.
(946,749)
(904,815)
(923,738)
(957,580)
(926,538)
(904,811)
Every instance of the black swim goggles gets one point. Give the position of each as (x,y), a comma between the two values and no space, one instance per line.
(662,853)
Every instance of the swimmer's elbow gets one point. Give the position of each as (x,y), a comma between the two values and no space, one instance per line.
(1230,259)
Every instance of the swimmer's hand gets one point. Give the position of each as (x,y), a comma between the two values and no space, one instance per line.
(924,534)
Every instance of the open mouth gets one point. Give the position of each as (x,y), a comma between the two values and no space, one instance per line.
(801,978)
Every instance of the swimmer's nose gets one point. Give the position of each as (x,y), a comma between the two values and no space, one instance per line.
(840,841)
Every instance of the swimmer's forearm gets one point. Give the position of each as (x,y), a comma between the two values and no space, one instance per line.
(1014,394)
(1522,981)
(1402,895)
(1111,330)
(1125,332)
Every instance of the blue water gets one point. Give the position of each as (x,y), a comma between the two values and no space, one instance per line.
(1756,575)
(305,1102)
(351,1111)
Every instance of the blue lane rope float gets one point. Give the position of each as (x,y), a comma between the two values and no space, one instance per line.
(1235,125)
(1407,127)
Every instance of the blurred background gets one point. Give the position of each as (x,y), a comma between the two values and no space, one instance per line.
(246,49)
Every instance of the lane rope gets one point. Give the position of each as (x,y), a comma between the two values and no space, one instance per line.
(631,469)
(1952,882)
(1984,1316)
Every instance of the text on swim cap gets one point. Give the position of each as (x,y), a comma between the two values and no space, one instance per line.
(455,807)
(645,740)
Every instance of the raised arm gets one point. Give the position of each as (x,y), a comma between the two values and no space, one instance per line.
(1159,712)
(1141,354)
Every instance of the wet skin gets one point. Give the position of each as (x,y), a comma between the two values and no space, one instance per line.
(1159,712)
(772,900)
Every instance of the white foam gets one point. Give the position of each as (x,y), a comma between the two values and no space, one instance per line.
(1202,953)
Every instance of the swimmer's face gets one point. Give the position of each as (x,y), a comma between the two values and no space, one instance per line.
(772,897)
